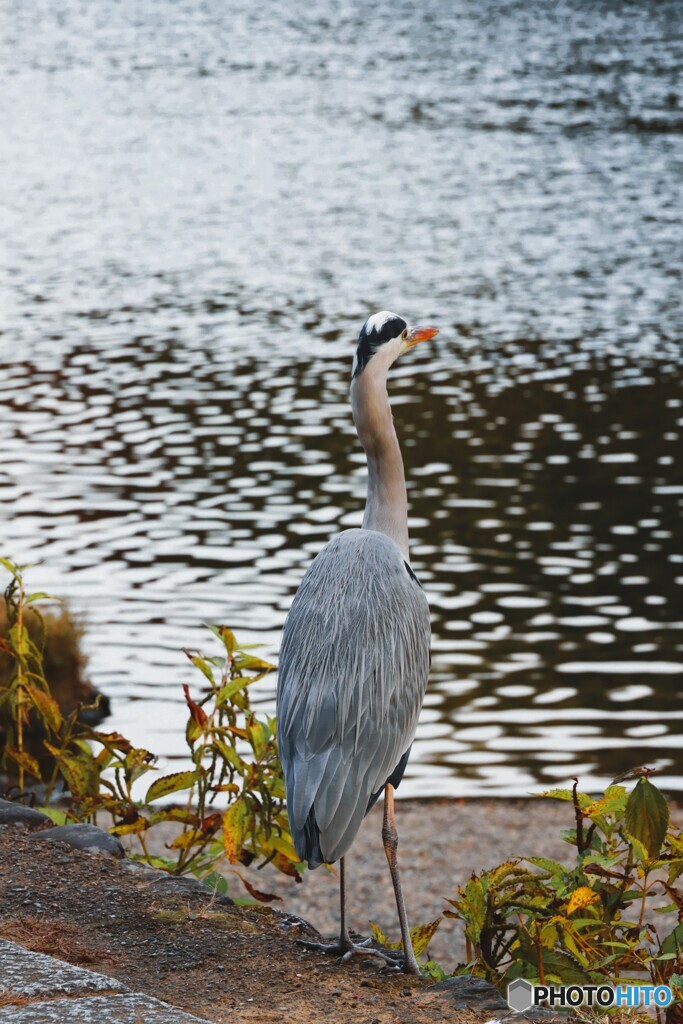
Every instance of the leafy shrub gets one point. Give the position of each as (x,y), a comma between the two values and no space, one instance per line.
(59,634)
(587,923)
(233,753)
(25,696)
(221,723)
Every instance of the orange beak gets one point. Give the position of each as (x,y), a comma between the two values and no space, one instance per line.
(417,334)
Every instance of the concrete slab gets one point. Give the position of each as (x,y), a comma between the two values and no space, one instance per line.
(127,1008)
(31,975)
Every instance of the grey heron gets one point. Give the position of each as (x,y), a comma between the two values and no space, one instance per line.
(355,652)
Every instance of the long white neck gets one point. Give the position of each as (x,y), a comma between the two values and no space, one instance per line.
(386,508)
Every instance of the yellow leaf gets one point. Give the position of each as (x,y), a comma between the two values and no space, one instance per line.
(235,822)
(259,739)
(286,867)
(47,706)
(24,760)
(167,784)
(80,774)
(186,839)
(380,937)
(580,898)
(285,847)
(422,934)
(131,828)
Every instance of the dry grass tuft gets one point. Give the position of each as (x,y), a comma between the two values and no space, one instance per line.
(54,938)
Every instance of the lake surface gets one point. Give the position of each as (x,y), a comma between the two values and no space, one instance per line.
(201,205)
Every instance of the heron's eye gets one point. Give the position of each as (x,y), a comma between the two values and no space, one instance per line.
(404,335)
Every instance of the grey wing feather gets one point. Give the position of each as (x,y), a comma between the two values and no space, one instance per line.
(353,671)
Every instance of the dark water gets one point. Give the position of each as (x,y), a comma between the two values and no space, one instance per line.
(201,204)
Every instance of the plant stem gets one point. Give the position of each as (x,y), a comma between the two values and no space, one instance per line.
(20,678)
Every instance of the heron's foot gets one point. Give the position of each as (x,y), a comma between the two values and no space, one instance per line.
(345,950)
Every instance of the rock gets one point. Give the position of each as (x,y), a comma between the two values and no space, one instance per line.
(39,989)
(83,837)
(467,992)
(30,975)
(296,927)
(126,1008)
(182,886)
(13,813)
(147,873)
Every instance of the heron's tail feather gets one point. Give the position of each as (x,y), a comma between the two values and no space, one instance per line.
(311,837)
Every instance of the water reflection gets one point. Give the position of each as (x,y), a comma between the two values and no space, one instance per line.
(194,239)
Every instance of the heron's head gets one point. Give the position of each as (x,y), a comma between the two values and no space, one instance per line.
(387,334)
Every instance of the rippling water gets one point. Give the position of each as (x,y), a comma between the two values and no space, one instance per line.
(202,204)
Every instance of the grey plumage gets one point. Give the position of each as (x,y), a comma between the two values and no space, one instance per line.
(353,672)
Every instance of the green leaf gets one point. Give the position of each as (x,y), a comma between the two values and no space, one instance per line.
(56,815)
(566,794)
(675,870)
(230,689)
(276,787)
(676,983)
(547,865)
(218,883)
(167,784)
(38,596)
(163,863)
(434,970)
(647,816)
(613,802)
(251,663)
(177,814)
(574,949)
(673,943)
(230,755)
(639,848)
(201,664)
(11,567)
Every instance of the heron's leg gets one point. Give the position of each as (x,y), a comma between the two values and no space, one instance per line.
(344,937)
(346,948)
(390,840)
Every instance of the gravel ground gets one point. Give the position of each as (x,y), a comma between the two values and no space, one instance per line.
(171,939)
(440,843)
